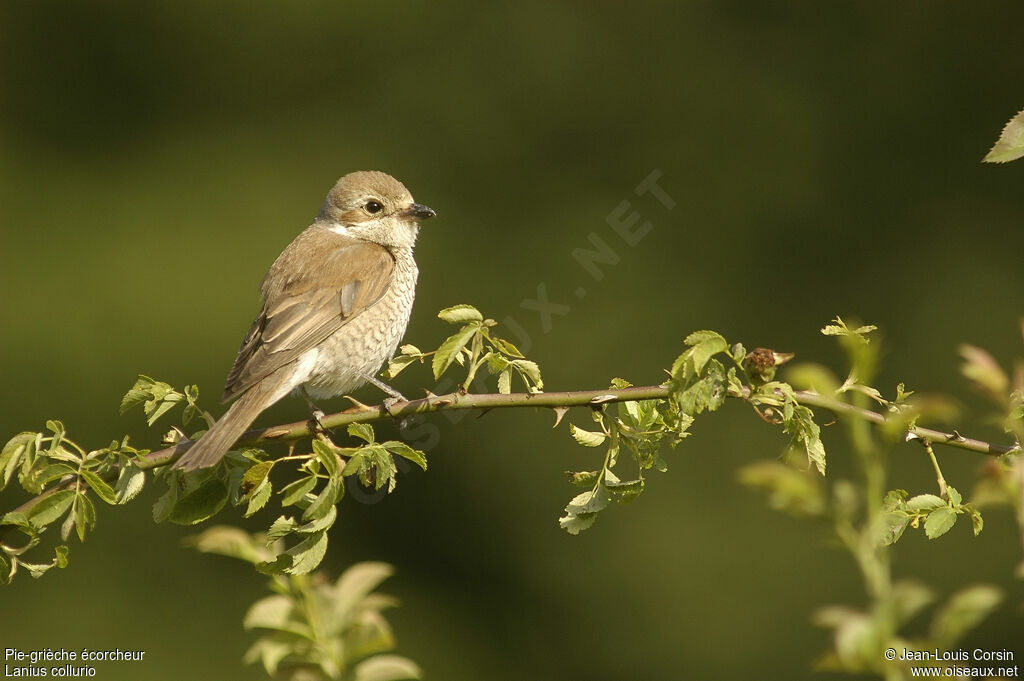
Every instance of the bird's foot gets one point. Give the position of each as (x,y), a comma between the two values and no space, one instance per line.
(390,402)
(316,414)
(316,421)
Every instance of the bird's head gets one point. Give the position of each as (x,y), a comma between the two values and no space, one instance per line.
(374,206)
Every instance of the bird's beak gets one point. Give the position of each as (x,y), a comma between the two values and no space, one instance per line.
(418,211)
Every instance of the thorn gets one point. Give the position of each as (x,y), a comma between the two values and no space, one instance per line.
(484,412)
(275,432)
(910,437)
(436,401)
(603,399)
(956,437)
(430,395)
(357,405)
(559,413)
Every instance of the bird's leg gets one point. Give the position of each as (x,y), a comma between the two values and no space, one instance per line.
(316,413)
(394,397)
(386,388)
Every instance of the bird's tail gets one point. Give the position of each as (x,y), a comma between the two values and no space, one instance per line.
(212,446)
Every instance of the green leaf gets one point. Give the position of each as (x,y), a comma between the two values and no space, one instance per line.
(704,345)
(295,491)
(530,373)
(230,541)
(363,431)
(815,451)
(36,570)
(256,476)
(60,556)
(270,651)
(85,516)
(964,611)
(625,492)
(386,668)
(399,364)
(45,474)
(939,522)
(52,507)
(130,482)
(1010,145)
(17,519)
(839,328)
(790,490)
(908,598)
(694,396)
(307,554)
(574,523)
(324,522)
(924,502)
(589,502)
(357,582)
(503,346)
(138,393)
(582,511)
(894,525)
(977,522)
(12,453)
(103,490)
(403,450)
(981,368)
(954,496)
(505,382)
(272,612)
(200,504)
(281,528)
(154,410)
(258,497)
(458,314)
(587,438)
(451,347)
(165,504)
(583,478)
(327,498)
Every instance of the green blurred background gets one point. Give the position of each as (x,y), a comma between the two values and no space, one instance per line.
(823,157)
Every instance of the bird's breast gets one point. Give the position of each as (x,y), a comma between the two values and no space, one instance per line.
(363,344)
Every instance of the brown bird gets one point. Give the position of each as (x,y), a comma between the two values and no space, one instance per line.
(335,306)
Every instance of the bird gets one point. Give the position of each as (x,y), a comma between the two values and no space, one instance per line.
(335,305)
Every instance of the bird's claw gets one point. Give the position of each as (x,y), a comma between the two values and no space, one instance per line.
(316,420)
(390,402)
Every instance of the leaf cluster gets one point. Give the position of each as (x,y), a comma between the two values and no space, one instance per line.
(312,628)
(640,427)
(473,346)
(66,480)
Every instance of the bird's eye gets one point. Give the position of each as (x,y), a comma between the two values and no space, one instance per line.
(373,207)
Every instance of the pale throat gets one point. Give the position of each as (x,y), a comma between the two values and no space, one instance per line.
(409,232)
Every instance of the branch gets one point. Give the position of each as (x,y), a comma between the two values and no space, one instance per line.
(487,401)
(571,398)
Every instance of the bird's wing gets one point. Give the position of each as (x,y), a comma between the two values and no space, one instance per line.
(313,289)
